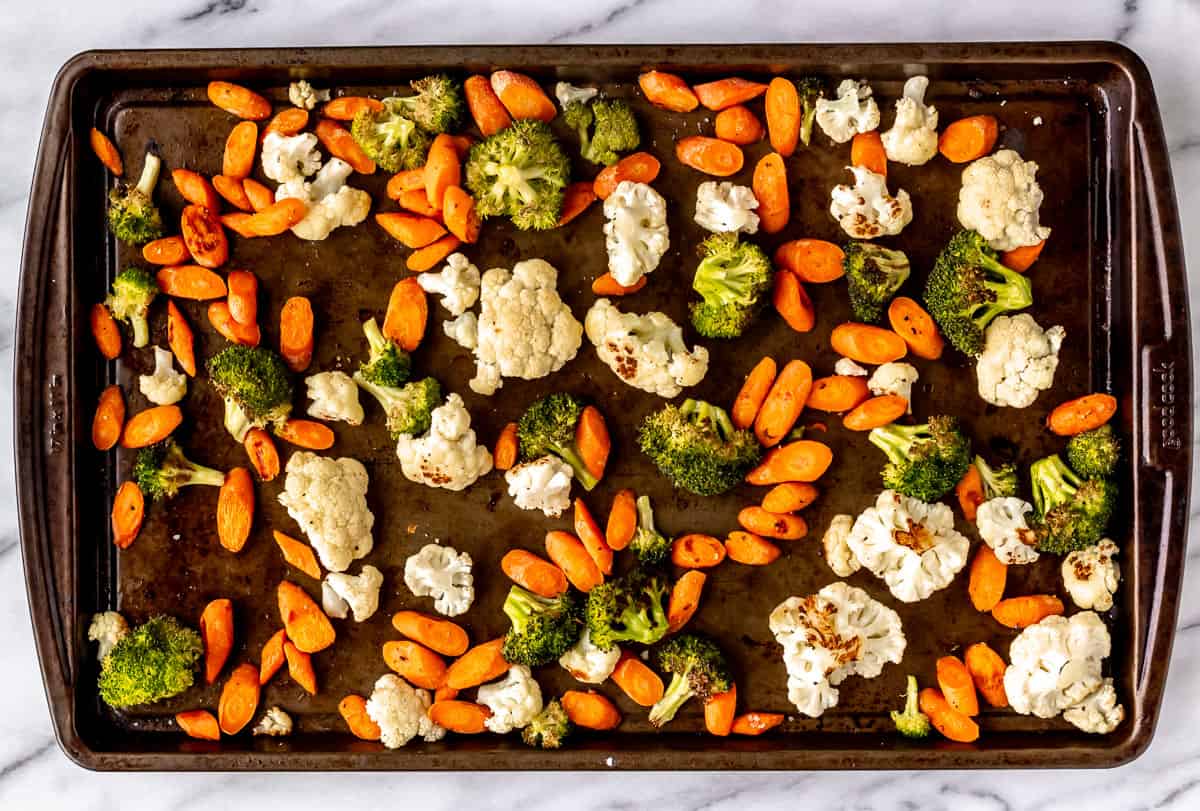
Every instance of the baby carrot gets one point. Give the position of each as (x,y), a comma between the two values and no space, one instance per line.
(277,217)
(712,156)
(306,624)
(204,236)
(222,321)
(463,717)
(866,150)
(300,667)
(589,534)
(783,403)
(235,509)
(812,260)
(969,138)
(804,460)
(910,321)
(440,635)
(296,333)
(105,331)
(838,393)
(640,167)
(458,210)
(783,526)
(622,520)
(570,555)
(196,189)
(522,97)
(697,551)
(640,683)
(288,122)
(970,495)
(478,665)
(533,573)
(755,723)
(719,710)
(442,170)
(239,699)
(216,629)
(947,720)
(752,393)
(106,152)
(987,578)
(874,412)
(406,180)
(504,454)
(152,425)
(738,125)
(416,663)
(238,100)
(606,285)
(724,93)
(867,344)
(685,598)
(590,710)
(791,301)
(127,511)
(987,671)
(353,709)
(770,189)
(191,282)
(180,338)
(272,657)
(576,199)
(260,196)
(345,108)
(260,448)
(957,686)
(240,147)
(1021,612)
(1021,259)
(407,312)
(298,554)
(592,439)
(199,724)
(782,104)
(243,296)
(306,433)
(487,111)
(416,201)
(789,497)
(668,91)
(1082,414)
(337,142)
(166,251)
(109,419)
(427,258)
(750,549)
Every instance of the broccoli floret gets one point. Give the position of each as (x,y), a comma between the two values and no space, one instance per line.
(549,728)
(924,461)
(129,301)
(1071,512)
(606,127)
(156,660)
(519,172)
(391,139)
(628,609)
(968,288)
(548,426)
(1093,454)
(409,408)
(696,446)
(650,545)
(733,277)
(810,89)
(543,628)
(132,215)
(873,275)
(388,364)
(697,668)
(161,469)
(911,723)
(437,105)
(255,386)
(998,482)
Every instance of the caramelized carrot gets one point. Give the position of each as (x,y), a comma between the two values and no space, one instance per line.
(416,201)
(622,520)
(216,629)
(783,403)
(1082,414)
(345,108)
(970,495)
(866,151)
(129,507)
(755,723)
(875,412)
(770,189)
(697,551)
(353,709)
(240,147)
(910,321)
(166,251)
(337,142)
(442,169)
(463,717)
(789,497)
(804,460)
(306,624)
(458,210)
(180,338)
(478,665)
(407,312)
(957,686)
(753,392)
(288,122)
(106,152)
(199,724)
(276,218)
(260,449)
(1021,259)
(838,393)
(590,710)
(738,125)
(298,554)
(570,555)
(300,667)
(440,635)
(222,321)
(109,419)
(727,92)
(711,156)
(272,657)
(239,699)
(240,223)
(306,433)
(668,91)
(987,671)
(782,104)
(719,710)
(1021,612)
(406,180)
(427,258)
(238,100)
(606,285)
(639,167)
(487,111)
(196,189)
(640,683)
(260,196)
(812,260)
(792,302)
(589,534)
(243,296)
(576,199)
(969,138)
(867,344)
(685,598)
(507,448)
(750,549)
(947,720)
(204,236)
(416,663)
(296,333)
(783,526)
(152,425)
(235,509)
(522,97)
(592,439)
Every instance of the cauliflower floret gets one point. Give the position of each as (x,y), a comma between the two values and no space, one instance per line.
(457,283)
(341,593)
(304,95)
(448,456)
(514,700)
(912,545)
(853,111)
(1002,525)
(328,499)
(1091,575)
(165,386)
(1056,664)
(646,351)
(524,329)
(275,723)
(108,628)
(568,93)
(1000,198)
(835,549)
(837,632)
(334,397)
(1099,713)
(331,203)
(543,484)
(913,138)
(724,207)
(464,331)
(290,157)
(1018,360)
(849,368)
(894,378)
(866,210)
(588,663)
(636,232)
(401,712)
(443,573)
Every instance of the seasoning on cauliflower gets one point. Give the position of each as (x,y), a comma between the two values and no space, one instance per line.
(1000,198)
(514,700)
(849,368)
(852,112)
(305,96)
(447,456)
(457,283)
(343,593)
(334,397)
(331,203)
(1002,525)
(109,627)
(912,545)
(835,548)
(287,158)
(443,573)
(328,499)
(1099,713)
(646,351)
(1091,575)
(1018,360)
(543,484)
(724,207)
(635,235)
(913,138)
(840,631)
(589,663)
(867,210)
(275,723)
(165,386)
(401,712)
(894,378)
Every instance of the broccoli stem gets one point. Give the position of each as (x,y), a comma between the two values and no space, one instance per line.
(201,475)
(519,606)
(1053,483)
(701,413)
(645,515)
(237,423)
(572,458)
(141,330)
(676,695)
(150,170)
(514,180)
(895,440)
(376,340)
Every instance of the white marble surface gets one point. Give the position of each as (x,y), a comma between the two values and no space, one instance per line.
(35,38)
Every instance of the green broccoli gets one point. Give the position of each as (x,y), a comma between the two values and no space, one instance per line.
(437,106)
(606,128)
(733,277)
(543,628)
(548,427)
(628,609)
(519,172)
(132,292)
(549,728)
(924,461)
(968,288)
(650,545)
(156,660)
(697,668)
(132,215)
(161,469)
(1094,454)
(811,90)
(408,408)
(255,386)
(388,364)
(873,275)
(696,446)
(998,482)
(389,138)
(1070,512)
(911,723)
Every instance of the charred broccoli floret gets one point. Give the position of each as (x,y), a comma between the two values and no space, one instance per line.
(696,446)
(606,128)
(650,545)
(924,461)
(873,275)
(1094,454)
(999,481)
(548,427)
(810,89)
(390,138)
(733,277)
(911,722)
(520,173)
(161,469)
(255,385)
(549,728)
(156,660)
(132,215)
(437,105)
(408,407)
(388,364)
(697,668)
(543,628)
(1071,512)
(628,609)
(132,292)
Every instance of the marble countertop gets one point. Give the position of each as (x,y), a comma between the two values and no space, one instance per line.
(36,38)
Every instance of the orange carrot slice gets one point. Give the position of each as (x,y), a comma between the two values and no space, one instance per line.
(238,100)
(353,709)
(191,282)
(804,460)
(640,683)
(957,686)
(262,453)
(199,724)
(987,671)
(789,497)
(306,624)
(272,657)
(712,156)
(866,150)
(738,125)
(697,551)
(685,598)
(128,509)
(783,403)
(668,91)
(235,509)
(719,711)
(106,152)
(522,97)
(770,189)
(150,426)
(109,419)
(463,717)
(812,260)
(300,667)
(947,720)
(306,433)
(782,104)
(507,448)
(487,111)
(867,344)
(875,412)
(407,312)
(969,138)
(1021,612)
(622,520)
(724,93)
(216,629)
(639,167)
(590,710)
(791,301)
(753,392)
(783,526)
(1082,414)
(480,664)
(239,699)
(440,635)
(838,393)
(298,554)
(570,555)
(750,549)
(416,663)
(910,321)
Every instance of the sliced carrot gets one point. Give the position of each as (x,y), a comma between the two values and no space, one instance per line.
(506,449)
(750,549)
(353,709)
(458,210)
(407,312)
(589,534)
(590,710)
(533,573)
(462,145)
(1082,414)
(240,223)
(576,199)
(1021,259)
(240,147)
(235,509)
(416,201)
(838,393)
(204,236)
(685,598)
(442,169)
(106,152)
(812,260)
(407,180)
(770,189)
(792,302)
(109,419)
(755,723)
(622,520)
(522,97)
(243,296)
(727,92)
(910,321)
(487,111)
(296,333)
(782,105)
(222,321)
(216,629)
(987,578)
(606,285)
(260,449)
(272,657)
(440,635)
(463,717)
(238,100)
(711,156)
(337,141)
(970,495)
(875,412)
(947,720)
(593,441)
(166,251)
(479,665)
(196,189)
(719,710)
(738,125)
(305,622)
(783,403)
(199,724)
(987,671)
(180,338)
(753,392)
(260,196)
(298,554)
(1021,612)
(306,434)
(668,91)
(804,460)
(277,217)
(345,108)
(697,551)
(427,258)
(639,167)
(783,526)
(288,122)
(129,507)
(866,151)
(300,667)
(957,686)
(867,344)
(969,138)
(416,663)
(789,497)
(640,683)
(570,555)
(152,425)
(239,699)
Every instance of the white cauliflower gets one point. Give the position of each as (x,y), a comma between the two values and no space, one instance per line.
(894,378)
(305,96)
(448,455)
(286,158)
(1056,664)
(866,210)
(852,112)
(588,663)
(1000,198)
(165,386)
(464,331)
(1002,525)
(835,548)
(401,712)
(342,593)
(457,283)
(1018,360)
(331,203)
(1099,713)
(724,207)
(328,499)
(1091,575)
(107,628)
(514,700)
(524,329)
(912,545)
(913,138)
(275,723)
(334,397)
(837,632)
(543,484)
(848,368)
(443,573)
(636,232)
(646,351)
(568,94)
